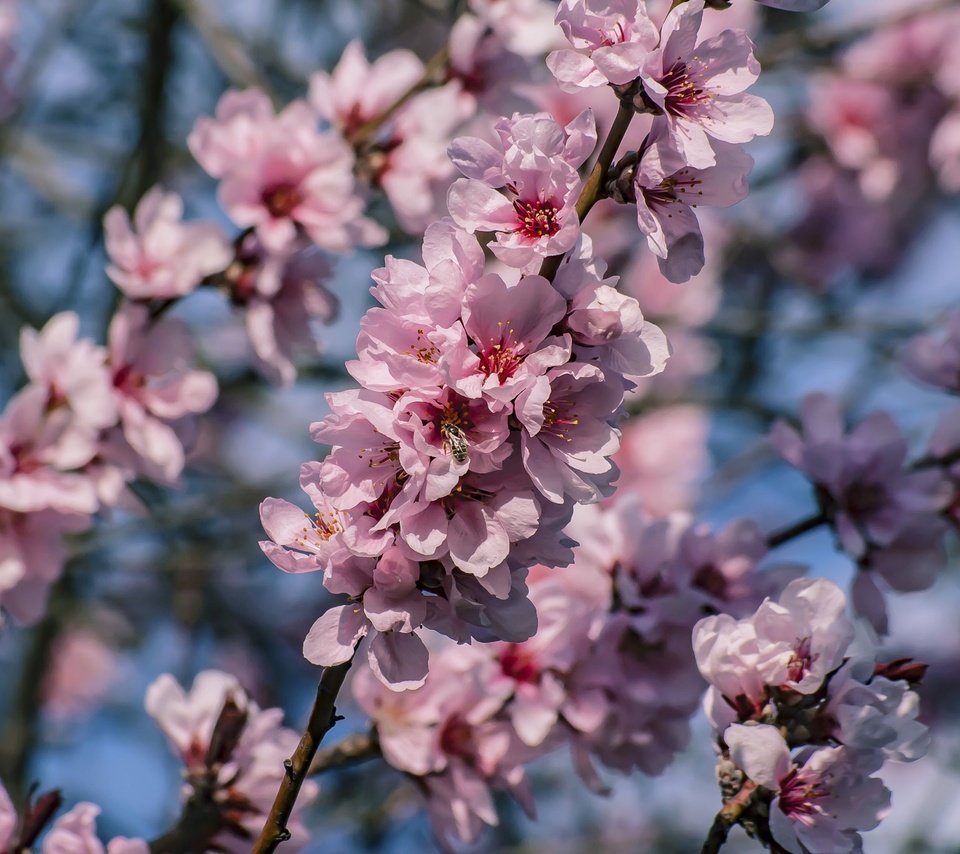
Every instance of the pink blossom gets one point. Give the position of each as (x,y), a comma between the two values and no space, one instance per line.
(249,777)
(611,42)
(279,173)
(934,358)
(875,713)
(72,369)
(511,325)
(698,89)
(76,832)
(662,457)
(82,669)
(872,498)
(154,385)
(524,26)
(485,69)
(357,90)
(945,151)
(536,160)
(667,190)
(32,555)
(282,295)
(568,437)
(158,256)
(406,156)
(8,819)
(793,643)
(42,453)
(446,735)
(822,797)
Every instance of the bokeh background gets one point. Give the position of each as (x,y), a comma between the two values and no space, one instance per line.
(848,244)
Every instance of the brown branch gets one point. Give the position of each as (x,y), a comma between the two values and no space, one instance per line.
(728,816)
(323,716)
(778,538)
(200,821)
(352,750)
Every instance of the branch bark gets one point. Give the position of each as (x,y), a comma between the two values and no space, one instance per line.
(323,716)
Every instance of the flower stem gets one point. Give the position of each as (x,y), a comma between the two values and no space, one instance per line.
(351,750)
(323,716)
(592,190)
(778,538)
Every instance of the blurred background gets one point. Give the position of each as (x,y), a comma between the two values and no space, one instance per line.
(848,244)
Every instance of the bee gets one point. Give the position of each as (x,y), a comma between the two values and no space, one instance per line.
(457,441)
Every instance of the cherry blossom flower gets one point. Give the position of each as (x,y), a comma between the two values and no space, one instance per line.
(76,831)
(792,643)
(358,90)
(158,256)
(248,778)
(154,386)
(698,89)
(536,161)
(666,191)
(72,369)
(32,555)
(934,358)
(822,797)
(406,155)
(279,173)
(871,495)
(282,296)
(611,42)
(524,26)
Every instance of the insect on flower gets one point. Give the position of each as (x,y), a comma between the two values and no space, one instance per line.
(456,439)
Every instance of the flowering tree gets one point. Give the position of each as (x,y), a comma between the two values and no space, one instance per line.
(509,545)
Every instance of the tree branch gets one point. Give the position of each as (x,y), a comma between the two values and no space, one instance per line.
(592,190)
(728,816)
(323,716)
(352,750)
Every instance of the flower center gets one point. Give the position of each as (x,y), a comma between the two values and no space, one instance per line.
(500,355)
(684,92)
(518,663)
(798,795)
(423,350)
(319,529)
(800,661)
(456,738)
(536,219)
(557,417)
(282,199)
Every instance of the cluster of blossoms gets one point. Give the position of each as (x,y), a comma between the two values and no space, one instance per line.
(90,420)
(887,515)
(486,411)
(232,752)
(701,114)
(803,715)
(609,674)
(488,402)
(890,118)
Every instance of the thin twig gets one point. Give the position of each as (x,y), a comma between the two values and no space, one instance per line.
(352,750)
(778,538)
(323,716)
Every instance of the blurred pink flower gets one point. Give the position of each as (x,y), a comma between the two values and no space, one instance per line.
(82,669)
(75,832)
(250,776)
(158,256)
(934,357)
(279,173)
(155,385)
(282,296)
(524,26)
